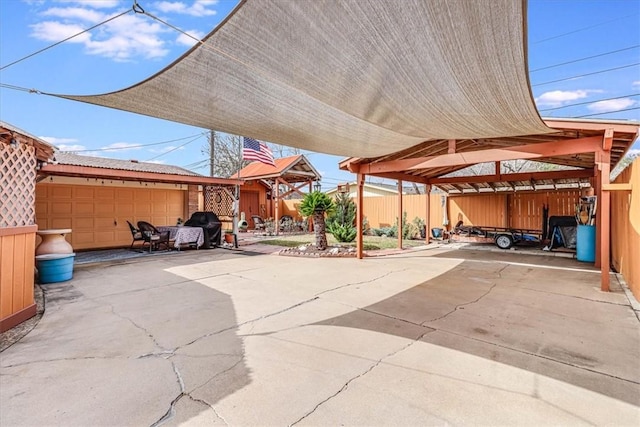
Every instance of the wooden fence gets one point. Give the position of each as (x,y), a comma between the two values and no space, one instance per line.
(625,228)
(517,210)
(17,234)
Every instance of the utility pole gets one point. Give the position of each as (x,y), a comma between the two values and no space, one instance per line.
(212,144)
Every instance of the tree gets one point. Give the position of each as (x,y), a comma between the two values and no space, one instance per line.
(342,222)
(315,205)
(280,151)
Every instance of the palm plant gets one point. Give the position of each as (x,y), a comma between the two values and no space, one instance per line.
(316,205)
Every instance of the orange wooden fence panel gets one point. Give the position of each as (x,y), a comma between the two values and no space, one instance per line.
(625,228)
(525,209)
(485,209)
(17,248)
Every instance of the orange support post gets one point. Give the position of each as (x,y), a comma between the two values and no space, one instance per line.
(400,214)
(427,224)
(605,221)
(359,215)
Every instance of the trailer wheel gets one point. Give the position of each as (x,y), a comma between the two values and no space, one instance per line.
(504,241)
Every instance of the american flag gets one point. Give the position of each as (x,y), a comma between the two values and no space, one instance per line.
(256,150)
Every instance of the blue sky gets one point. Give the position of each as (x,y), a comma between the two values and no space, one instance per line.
(113,57)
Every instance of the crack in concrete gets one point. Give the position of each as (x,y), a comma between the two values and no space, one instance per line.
(541,356)
(171,412)
(204,402)
(143,329)
(62,359)
(365,372)
(575,296)
(236,326)
(362,282)
(240,360)
(459,306)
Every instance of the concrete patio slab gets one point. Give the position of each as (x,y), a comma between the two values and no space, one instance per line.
(428,336)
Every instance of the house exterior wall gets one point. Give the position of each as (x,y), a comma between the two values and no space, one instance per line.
(98,214)
(625,228)
(263,209)
(17,234)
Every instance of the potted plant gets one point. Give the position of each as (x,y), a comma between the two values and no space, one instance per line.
(228,236)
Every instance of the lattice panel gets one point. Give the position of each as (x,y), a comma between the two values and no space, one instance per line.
(17,185)
(218,200)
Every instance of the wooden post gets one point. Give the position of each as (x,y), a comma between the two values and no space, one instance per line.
(359,214)
(275,196)
(604,211)
(598,193)
(399,214)
(427,222)
(310,220)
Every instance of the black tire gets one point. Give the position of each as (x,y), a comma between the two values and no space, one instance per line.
(504,241)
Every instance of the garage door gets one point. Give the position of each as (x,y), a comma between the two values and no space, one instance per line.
(98,215)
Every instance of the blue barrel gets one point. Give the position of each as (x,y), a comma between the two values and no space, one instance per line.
(54,268)
(586,243)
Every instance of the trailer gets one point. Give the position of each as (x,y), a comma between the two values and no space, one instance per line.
(502,237)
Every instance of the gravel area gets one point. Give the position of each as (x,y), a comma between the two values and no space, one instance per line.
(13,335)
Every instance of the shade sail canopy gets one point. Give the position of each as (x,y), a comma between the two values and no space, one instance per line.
(355,77)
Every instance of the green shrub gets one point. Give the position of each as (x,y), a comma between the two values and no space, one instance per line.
(341,223)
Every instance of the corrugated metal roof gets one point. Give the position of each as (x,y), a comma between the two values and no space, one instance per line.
(130,165)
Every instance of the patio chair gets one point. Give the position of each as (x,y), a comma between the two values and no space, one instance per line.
(258,222)
(286,223)
(135,234)
(153,236)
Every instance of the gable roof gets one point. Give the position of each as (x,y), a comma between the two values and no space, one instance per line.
(44,150)
(404,73)
(292,169)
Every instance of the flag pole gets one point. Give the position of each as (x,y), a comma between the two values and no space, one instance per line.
(236,202)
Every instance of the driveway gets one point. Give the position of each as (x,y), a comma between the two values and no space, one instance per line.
(238,338)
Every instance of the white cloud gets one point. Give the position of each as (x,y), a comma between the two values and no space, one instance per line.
(636,83)
(63,144)
(75,13)
(198,8)
(188,41)
(121,146)
(112,40)
(157,162)
(53,31)
(55,140)
(611,105)
(557,98)
(70,147)
(98,4)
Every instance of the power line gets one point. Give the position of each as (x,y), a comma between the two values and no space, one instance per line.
(584,28)
(587,74)
(590,102)
(585,58)
(130,146)
(175,148)
(68,38)
(607,112)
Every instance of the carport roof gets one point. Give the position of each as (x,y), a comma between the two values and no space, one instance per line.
(352,77)
(429,163)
